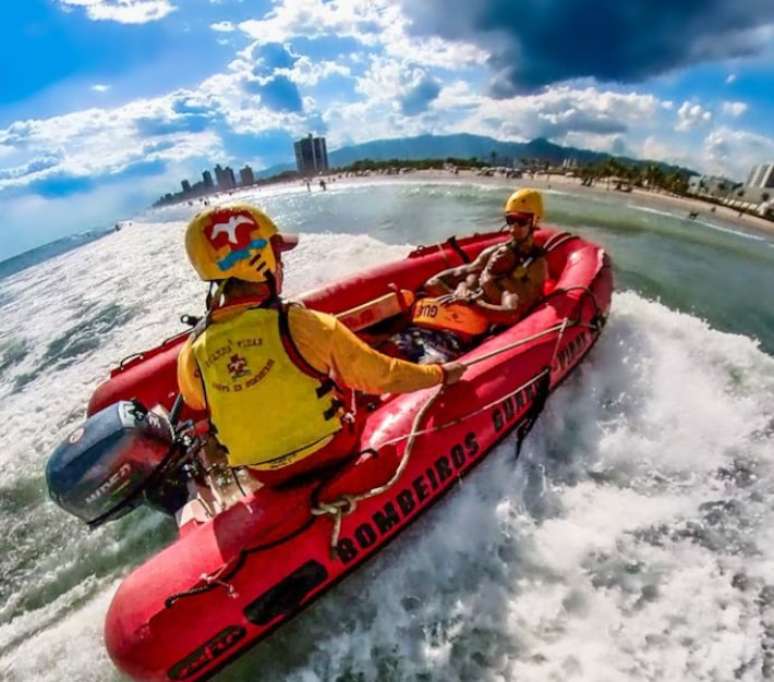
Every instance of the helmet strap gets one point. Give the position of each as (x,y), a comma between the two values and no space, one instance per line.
(208,298)
(271,282)
(215,294)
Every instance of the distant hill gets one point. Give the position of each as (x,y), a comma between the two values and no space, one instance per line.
(463,145)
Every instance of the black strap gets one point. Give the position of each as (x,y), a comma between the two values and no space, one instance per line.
(535,409)
(325,387)
(455,245)
(333,410)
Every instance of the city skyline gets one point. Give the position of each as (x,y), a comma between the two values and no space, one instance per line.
(311,158)
(117,98)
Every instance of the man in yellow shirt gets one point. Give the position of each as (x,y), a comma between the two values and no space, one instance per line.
(272,374)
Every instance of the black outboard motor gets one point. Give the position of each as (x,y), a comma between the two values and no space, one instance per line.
(117,459)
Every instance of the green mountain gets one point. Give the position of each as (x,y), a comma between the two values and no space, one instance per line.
(462,145)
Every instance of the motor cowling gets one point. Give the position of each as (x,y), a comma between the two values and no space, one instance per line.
(105,467)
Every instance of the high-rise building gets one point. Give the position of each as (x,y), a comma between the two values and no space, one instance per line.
(224,177)
(207,178)
(761,176)
(246,176)
(186,186)
(311,155)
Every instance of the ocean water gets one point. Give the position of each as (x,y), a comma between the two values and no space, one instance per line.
(11,266)
(633,540)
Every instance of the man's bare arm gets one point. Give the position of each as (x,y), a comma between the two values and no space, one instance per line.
(501,314)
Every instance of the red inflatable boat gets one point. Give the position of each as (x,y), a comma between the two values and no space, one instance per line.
(248,558)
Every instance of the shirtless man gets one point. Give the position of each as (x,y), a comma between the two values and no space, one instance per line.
(499,287)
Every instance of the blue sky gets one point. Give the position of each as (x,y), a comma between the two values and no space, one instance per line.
(106,104)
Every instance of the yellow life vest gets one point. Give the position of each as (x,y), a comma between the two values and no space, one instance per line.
(463,318)
(270,409)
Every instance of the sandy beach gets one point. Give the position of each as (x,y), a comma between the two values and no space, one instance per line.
(671,203)
(656,200)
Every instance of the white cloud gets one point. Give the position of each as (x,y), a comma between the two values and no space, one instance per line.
(223,26)
(372,22)
(691,115)
(309,73)
(730,78)
(734,152)
(98,142)
(734,109)
(390,64)
(360,19)
(100,87)
(123,11)
(660,148)
(553,113)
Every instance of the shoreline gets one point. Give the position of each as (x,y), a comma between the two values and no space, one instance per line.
(644,198)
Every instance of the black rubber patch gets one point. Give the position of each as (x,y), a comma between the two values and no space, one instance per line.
(285,597)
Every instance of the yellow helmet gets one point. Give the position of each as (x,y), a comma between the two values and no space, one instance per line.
(236,240)
(526,200)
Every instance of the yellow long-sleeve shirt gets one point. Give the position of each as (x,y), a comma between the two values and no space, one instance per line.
(330,348)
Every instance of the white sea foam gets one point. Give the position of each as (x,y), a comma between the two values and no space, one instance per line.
(633,540)
(713,226)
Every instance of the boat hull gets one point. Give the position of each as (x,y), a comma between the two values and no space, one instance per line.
(226,584)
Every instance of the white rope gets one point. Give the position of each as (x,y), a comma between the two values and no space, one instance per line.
(347,503)
(558,342)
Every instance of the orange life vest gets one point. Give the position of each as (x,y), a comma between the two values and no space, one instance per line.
(462,318)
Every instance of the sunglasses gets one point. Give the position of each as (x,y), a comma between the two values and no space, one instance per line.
(517,219)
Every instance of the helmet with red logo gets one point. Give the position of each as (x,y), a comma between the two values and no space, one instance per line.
(235,241)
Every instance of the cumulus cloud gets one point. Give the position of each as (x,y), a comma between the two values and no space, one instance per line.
(270,56)
(31,167)
(689,116)
(539,42)
(223,26)
(360,19)
(96,143)
(308,72)
(279,93)
(418,98)
(370,22)
(122,11)
(734,109)
(89,146)
(735,152)
(556,112)
(100,87)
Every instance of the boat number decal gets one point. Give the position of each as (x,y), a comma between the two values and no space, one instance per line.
(504,413)
(572,350)
(207,652)
(408,499)
(426,310)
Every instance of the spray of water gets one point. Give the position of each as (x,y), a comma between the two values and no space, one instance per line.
(632,541)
